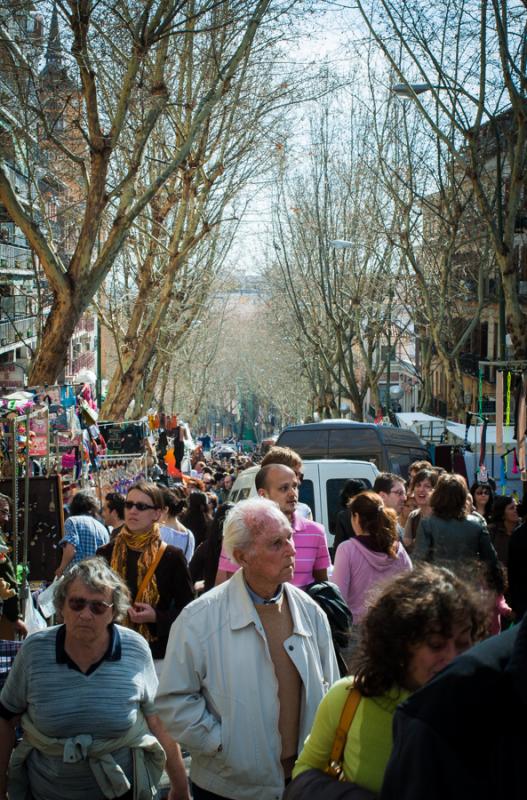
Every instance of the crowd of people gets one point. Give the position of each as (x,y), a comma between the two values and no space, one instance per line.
(186,622)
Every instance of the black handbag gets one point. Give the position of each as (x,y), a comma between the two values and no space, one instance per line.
(316,785)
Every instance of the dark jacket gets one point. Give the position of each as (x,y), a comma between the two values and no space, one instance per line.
(449,540)
(464,735)
(343,529)
(11,608)
(517,571)
(174,585)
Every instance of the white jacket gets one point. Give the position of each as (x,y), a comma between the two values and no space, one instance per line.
(218,692)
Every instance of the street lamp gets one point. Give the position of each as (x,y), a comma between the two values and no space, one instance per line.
(410,90)
(340,244)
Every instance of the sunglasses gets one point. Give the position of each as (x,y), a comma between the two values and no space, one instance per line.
(96,607)
(482,491)
(140,506)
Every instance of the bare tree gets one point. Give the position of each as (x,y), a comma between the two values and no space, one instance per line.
(117,94)
(435,227)
(340,303)
(468,61)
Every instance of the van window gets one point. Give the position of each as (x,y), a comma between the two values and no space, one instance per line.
(334,487)
(399,461)
(307,443)
(306,494)
(359,443)
(244,493)
(233,496)
(401,458)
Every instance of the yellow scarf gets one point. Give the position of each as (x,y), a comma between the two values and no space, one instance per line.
(146,543)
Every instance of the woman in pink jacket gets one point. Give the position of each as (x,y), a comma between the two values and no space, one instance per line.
(372,557)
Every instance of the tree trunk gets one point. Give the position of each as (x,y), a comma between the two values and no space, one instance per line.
(58,330)
(516,322)
(455,394)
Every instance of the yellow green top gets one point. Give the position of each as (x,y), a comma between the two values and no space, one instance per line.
(369,742)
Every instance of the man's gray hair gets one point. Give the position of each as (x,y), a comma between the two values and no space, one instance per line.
(248,520)
(96,575)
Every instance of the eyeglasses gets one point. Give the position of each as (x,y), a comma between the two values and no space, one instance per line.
(400,492)
(140,506)
(96,607)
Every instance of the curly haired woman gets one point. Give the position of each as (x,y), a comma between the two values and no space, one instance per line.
(417,625)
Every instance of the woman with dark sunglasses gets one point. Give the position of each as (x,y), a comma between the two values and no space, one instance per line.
(483,497)
(86,690)
(156,602)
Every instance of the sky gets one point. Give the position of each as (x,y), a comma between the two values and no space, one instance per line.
(323,39)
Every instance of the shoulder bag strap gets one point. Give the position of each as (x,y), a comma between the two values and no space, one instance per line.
(148,577)
(346,718)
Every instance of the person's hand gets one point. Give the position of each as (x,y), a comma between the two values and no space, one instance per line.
(20,627)
(59,572)
(140,613)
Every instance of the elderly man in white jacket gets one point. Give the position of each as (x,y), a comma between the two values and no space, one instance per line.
(247,665)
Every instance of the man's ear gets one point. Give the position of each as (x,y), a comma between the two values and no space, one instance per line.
(239,556)
(262,493)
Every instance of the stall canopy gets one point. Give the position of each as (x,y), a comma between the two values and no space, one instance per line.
(430,428)
(474,434)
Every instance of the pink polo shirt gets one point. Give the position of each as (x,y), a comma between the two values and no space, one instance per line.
(311,552)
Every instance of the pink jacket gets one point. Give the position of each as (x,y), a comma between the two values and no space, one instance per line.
(359,570)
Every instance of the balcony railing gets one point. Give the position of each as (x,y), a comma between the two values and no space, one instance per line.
(18,331)
(469,363)
(83,361)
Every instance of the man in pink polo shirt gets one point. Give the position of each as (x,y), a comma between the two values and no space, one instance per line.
(279,483)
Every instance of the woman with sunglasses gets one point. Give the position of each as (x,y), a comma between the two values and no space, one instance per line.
(483,498)
(86,690)
(156,602)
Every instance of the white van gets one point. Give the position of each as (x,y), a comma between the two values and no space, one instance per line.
(320,489)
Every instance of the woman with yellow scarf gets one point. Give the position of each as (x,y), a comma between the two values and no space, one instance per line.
(156,574)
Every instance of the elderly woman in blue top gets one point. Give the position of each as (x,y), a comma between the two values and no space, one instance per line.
(85,690)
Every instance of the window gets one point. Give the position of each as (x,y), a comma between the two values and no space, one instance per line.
(306,442)
(355,443)
(306,494)
(333,489)
(244,493)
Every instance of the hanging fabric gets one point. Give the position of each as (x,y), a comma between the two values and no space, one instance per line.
(483,445)
(468,418)
(507,418)
(520,431)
